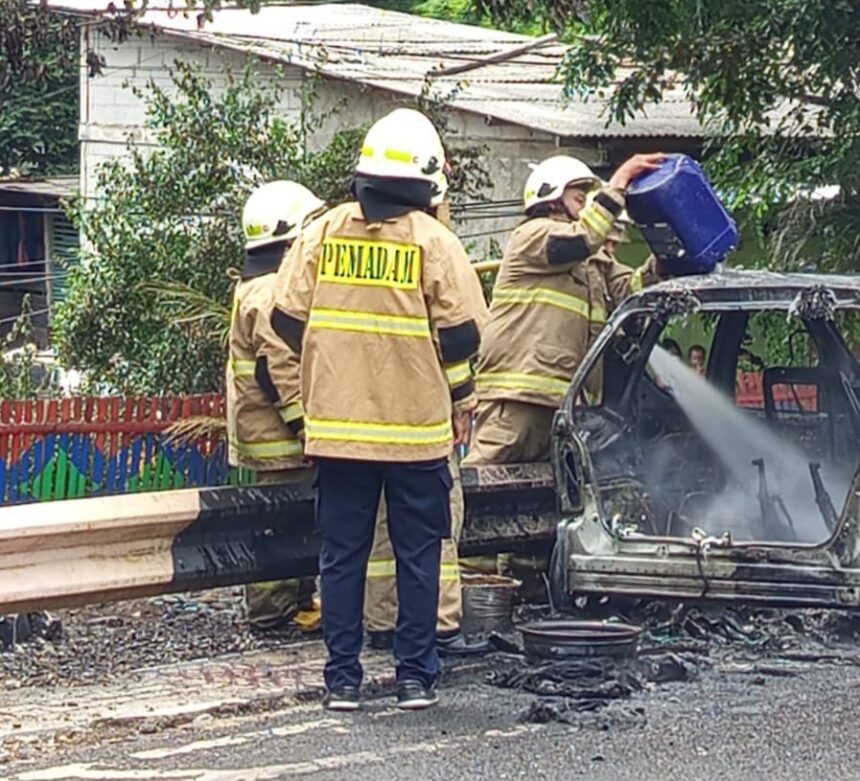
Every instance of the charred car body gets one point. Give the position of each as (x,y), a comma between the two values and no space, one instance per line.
(739,485)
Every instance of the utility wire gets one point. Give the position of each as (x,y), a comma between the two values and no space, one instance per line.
(30,262)
(393,48)
(484,204)
(32,313)
(472,211)
(381,45)
(478,234)
(499,216)
(6,283)
(31,209)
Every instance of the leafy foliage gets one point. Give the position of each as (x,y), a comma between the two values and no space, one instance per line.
(469,177)
(464,12)
(20,375)
(776,81)
(172,217)
(38,89)
(147,307)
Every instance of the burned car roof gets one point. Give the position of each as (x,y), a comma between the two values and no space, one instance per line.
(741,285)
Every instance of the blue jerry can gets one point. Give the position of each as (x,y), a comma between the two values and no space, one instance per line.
(681,217)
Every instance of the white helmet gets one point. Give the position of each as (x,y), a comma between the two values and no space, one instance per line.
(404,145)
(277,211)
(548,179)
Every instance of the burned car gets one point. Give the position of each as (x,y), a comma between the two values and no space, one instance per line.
(735,482)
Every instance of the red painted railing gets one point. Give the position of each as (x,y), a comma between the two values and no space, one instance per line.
(749,392)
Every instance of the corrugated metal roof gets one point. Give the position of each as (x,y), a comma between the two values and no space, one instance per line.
(47,187)
(396,51)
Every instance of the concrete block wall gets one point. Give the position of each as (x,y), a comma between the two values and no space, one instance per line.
(110,112)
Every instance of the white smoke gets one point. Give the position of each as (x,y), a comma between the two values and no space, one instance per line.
(737,438)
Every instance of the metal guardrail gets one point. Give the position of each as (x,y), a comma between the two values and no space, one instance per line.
(100,549)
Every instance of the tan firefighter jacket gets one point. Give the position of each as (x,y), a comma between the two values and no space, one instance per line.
(363,301)
(552,296)
(263,386)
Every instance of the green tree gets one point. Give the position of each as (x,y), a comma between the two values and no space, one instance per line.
(464,12)
(20,375)
(147,307)
(38,89)
(171,217)
(776,81)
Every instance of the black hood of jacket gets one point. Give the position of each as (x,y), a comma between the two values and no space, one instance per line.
(264,260)
(383,198)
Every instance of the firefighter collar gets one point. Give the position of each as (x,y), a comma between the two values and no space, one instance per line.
(554,216)
(265,261)
(384,198)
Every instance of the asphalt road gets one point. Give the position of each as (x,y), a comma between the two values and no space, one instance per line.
(794,721)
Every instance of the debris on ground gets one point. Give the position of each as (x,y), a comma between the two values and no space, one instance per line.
(678,643)
(100,641)
(574,687)
(25,627)
(770,631)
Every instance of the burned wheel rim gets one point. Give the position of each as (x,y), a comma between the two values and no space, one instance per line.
(563,639)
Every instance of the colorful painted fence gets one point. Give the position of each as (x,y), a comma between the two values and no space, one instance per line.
(787,397)
(68,448)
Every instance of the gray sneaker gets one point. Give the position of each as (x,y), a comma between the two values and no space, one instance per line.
(414,695)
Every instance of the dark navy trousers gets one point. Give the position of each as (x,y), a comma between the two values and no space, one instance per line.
(419,516)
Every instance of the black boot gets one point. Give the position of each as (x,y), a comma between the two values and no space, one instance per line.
(458,645)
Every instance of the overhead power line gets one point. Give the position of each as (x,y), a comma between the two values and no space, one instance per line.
(33,313)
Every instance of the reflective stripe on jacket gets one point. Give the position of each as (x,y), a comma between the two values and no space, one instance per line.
(263,387)
(385,333)
(552,296)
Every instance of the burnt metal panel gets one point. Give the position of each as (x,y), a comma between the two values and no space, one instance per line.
(784,574)
(737,285)
(247,534)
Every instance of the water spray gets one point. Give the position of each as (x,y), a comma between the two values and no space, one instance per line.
(783,502)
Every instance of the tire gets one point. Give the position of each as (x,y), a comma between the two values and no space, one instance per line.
(559,598)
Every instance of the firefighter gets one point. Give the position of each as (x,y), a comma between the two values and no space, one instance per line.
(380,599)
(263,387)
(549,300)
(369,285)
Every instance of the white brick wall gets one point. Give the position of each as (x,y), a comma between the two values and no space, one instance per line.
(141,60)
(109,110)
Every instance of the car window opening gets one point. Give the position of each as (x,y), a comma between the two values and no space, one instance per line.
(733,423)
